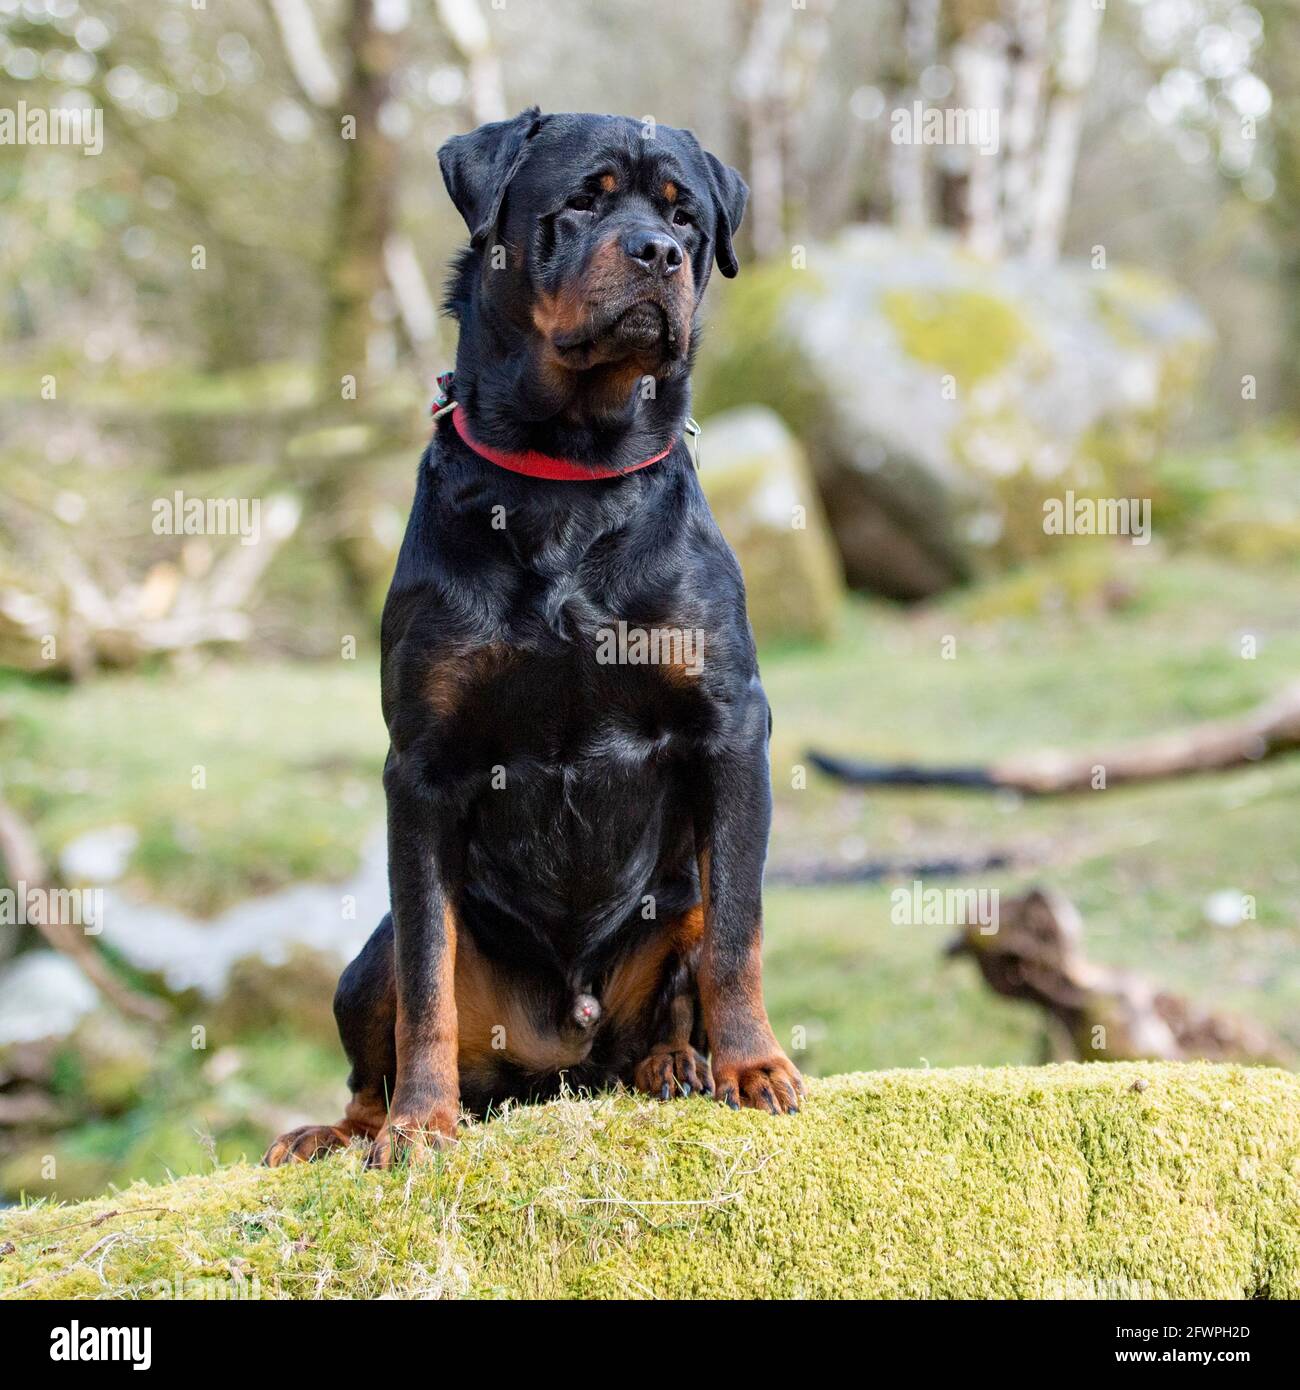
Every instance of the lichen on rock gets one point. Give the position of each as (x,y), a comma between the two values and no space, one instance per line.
(943,398)
(762,493)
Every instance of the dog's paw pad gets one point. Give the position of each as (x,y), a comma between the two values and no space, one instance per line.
(671,1072)
(302,1145)
(772,1084)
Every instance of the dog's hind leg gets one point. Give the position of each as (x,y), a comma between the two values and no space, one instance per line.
(365,1006)
(656,989)
(674,1066)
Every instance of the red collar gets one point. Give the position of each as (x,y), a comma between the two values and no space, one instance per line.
(535,465)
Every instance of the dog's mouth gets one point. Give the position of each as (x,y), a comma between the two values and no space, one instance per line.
(643,328)
(644,325)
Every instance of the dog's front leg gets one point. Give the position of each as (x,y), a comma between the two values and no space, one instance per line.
(733,816)
(426,1097)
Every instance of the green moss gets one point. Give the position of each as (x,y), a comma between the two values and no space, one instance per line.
(193,1104)
(748,355)
(1081,580)
(793,584)
(1122,294)
(1057,1181)
(970,334)
(1240,501)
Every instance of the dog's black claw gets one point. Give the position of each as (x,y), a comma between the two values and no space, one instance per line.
(686,1090)
(666,1092)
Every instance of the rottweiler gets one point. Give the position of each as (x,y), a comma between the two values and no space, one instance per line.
(577,782)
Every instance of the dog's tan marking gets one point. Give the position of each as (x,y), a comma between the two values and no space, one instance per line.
(455,675)
(498,1022)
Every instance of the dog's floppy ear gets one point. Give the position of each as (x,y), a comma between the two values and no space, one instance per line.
(477,168)
(730,194)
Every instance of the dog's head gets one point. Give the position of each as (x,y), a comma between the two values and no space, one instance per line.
(596,234)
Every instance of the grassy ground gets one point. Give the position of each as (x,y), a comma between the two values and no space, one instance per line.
(1140,863)
(1109,646)
(290,758)
(1102,1181)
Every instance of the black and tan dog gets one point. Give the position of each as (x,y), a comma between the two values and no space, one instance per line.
(578,788)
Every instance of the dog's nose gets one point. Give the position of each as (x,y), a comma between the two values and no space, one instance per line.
(655,251)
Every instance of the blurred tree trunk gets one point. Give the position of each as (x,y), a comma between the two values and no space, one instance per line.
(1280,68)
(1027,58)
(908,173)
(305,53)
(1029,62)
(354,271)
(980,62)
(759,85)
(808,45)
(468,31)
(781,51)
(366,254)
(1072,72)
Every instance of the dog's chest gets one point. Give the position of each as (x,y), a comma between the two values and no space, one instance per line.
(618,689)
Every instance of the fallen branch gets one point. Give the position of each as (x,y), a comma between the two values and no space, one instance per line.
(1036,954)
(62,617)
(1268,731)
(820,872)
(24,865)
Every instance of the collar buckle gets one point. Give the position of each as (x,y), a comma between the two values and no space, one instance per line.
(691,429)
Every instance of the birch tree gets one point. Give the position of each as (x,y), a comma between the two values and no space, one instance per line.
(908,166)
(1076,61)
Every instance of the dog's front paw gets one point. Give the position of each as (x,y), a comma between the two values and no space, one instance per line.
(669,1072)
(771,1083)
(407,1138)
(302,1145)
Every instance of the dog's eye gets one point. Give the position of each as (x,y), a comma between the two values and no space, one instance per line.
(681,218)
(583,202)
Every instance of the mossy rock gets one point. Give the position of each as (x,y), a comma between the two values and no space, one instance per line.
(942,399)
(756,478)
(1099,1180)
(113,1061)
(295,992)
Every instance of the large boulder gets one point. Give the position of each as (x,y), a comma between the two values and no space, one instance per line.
(756,477)
(943,398)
